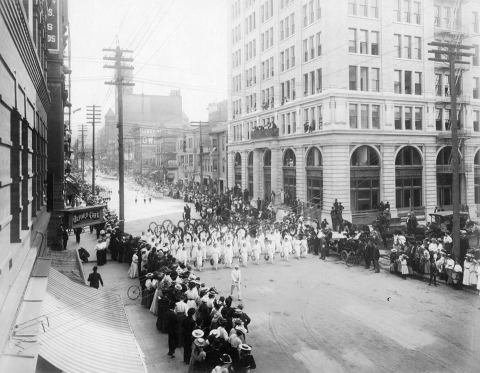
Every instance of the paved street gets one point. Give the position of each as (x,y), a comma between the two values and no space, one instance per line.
(315,316)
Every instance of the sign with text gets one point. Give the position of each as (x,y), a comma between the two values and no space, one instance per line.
(83,216)
(53,29)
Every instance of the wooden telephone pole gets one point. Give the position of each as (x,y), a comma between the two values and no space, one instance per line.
(451,54)
(93,115)
(200,142)
(82,153)
(119,82)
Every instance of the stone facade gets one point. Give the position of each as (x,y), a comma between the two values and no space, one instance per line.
(335,102)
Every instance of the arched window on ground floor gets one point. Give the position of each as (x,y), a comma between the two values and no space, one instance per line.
(408,178)
(364,179)
(314,172)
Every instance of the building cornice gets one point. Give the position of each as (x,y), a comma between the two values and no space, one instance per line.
(12,14)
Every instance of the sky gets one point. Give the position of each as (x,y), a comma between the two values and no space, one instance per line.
(176,44)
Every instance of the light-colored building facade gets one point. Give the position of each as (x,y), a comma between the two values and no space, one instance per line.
(338,100)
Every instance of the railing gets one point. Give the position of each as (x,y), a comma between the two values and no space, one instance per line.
(447,168)
(262,133)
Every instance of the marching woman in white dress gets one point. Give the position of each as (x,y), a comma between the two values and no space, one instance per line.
(199,256)
(181,254)
(202,246)
(215,255)
(256,250)
(244,254)
(286,247)
(133,271)
(270,249)
(277,240)
(228,255)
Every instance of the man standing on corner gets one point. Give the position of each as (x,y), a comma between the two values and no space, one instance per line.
(95,279)
(171,321)
(236,281)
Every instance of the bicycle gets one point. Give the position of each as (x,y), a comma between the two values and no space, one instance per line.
(133,292)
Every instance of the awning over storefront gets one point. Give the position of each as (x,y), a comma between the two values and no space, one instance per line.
(87,330)
(82,216)
(71,186)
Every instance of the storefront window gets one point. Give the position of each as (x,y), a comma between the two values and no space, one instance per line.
(314,173)
(364,179)
(250,174)
(289,176)
(238,170)
(408,178)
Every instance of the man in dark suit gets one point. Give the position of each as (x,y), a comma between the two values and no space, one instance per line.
(95,279)
(188,326)
(171,323)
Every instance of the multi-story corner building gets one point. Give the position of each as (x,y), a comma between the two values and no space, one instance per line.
(33,37)
(338,100)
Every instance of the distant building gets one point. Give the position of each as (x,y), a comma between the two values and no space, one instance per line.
(337,99)
(152,124)
(215,155)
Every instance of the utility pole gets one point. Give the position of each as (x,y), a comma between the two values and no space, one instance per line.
(452,53)
(82,154)
(119,82)
(93,114)
(201,152)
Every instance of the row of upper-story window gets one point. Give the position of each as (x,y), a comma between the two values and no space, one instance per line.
(311,12)
(360,116)
(363,8)
(266,39)
(237,58)
(250,50)
(250,23)
(363,78)
(266,10)
(405,11)
(235,11)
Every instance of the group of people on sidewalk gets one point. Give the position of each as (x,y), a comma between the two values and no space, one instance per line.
(433,257)
(211,330)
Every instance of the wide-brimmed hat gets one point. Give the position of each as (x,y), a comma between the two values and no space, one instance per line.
(197,333)
(241,328)
(394,250)
(200,342)
(225,359)
(245,347)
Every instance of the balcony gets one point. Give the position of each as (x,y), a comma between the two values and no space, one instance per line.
(263,133)
(447,135)
(448,169)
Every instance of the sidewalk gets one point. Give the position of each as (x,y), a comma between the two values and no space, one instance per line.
(153,344)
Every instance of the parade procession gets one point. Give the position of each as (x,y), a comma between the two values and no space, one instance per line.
(245,186)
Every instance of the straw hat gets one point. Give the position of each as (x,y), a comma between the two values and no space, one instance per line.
(197,333)
(245,347)
(200,342)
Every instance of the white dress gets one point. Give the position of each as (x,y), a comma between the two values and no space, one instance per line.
(466,273)
(133,271)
